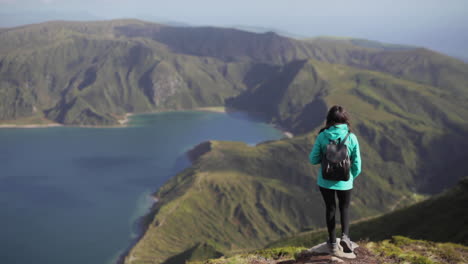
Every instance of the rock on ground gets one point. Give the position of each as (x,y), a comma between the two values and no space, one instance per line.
(320,254)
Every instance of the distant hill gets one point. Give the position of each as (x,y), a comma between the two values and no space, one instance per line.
(13,18)
(465,59)
(257,29)
(91,73)
(365,43)
(84,73)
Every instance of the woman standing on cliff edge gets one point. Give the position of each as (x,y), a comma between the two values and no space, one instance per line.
(336,133)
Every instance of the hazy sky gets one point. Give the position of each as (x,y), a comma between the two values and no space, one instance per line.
(438,24)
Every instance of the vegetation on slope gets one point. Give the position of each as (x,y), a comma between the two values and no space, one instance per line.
(403,250)
(406,235)
(441,218)
(398,249)
(404,127)
(238,197)
(85,73)
(301,88)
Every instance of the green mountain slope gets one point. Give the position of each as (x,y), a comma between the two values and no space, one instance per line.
(405,235)
(287,96)
(84,73)
(441,218)
(238,197)
(412,63)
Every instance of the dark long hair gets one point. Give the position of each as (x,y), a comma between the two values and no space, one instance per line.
(336,115)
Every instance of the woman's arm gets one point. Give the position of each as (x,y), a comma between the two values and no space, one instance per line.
(355,159)
(315,156)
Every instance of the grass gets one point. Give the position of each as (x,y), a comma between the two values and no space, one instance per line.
(401,249)
(397,249)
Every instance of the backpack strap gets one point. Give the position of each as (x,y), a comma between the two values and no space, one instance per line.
(345,138)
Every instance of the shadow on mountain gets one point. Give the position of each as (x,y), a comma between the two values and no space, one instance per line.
(145,83)
(259,73)
(222,43)
(437,173)
(311,117)
(89,78)
(263,101)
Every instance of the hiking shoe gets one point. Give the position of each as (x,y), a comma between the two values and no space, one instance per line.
(346,243)
(332,247)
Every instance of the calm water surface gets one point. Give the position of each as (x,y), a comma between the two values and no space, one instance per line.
(73,195)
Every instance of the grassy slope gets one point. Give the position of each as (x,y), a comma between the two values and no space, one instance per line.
(398,249)
(406,235)
(441,218)
(237,197)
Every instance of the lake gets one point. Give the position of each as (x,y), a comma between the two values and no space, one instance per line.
(74,195)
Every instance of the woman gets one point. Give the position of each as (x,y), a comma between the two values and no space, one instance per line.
(337,127)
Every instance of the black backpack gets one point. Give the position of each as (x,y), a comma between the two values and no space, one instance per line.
(335,161)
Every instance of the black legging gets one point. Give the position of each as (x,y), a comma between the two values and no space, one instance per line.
(344,198)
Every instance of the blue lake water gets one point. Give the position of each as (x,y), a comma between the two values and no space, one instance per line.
(73,195)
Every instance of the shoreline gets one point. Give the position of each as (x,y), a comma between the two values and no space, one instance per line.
(123,121)
(212,109)
(144,221)
(31,125)
(141,226)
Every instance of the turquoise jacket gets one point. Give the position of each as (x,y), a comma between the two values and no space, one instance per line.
(315,157)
